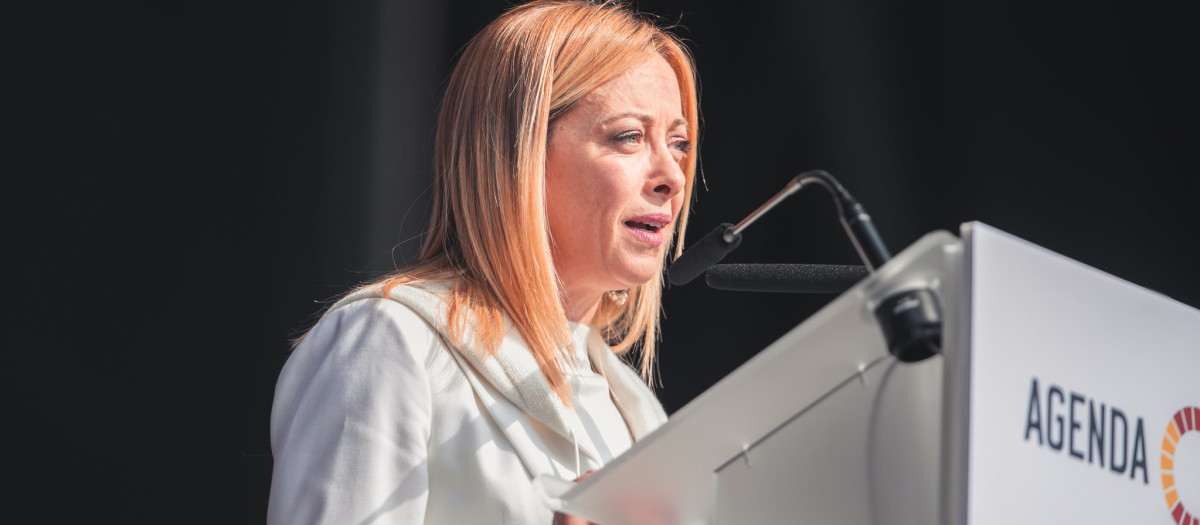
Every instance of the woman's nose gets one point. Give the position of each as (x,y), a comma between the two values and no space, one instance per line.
(666,177)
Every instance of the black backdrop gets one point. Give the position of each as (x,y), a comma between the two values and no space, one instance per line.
(186,179)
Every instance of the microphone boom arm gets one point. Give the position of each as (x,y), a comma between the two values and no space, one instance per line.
(911,319)
(853,216)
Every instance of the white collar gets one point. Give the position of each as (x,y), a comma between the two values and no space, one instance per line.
(514,373)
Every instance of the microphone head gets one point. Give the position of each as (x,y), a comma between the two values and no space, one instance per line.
(709,250)
(785,278)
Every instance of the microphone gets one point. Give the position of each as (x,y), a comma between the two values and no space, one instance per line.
(709,250)
(785,278)
(911,320)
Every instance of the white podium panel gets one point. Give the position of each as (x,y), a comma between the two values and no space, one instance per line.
(1062,395)
(1075,378)
(866,459)
(823,426)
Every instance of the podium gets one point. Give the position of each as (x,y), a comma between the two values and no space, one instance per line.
(1062,394)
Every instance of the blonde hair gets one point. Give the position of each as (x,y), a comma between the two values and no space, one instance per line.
(489,235)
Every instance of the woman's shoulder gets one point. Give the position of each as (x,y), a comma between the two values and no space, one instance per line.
(372,313)
(357,351)
(422,297)
(377,319)
(372,317)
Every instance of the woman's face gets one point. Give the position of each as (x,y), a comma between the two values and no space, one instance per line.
(613,182)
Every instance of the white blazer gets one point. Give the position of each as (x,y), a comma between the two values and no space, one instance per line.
(377,419)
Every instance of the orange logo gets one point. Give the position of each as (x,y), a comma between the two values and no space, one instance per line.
(1185,420)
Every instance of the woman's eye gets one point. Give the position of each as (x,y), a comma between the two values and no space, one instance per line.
(683,145)
(629,137)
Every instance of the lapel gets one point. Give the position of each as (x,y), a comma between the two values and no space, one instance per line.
(634,400)
(514,374)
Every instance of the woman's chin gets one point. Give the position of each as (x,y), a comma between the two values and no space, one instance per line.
(638,274)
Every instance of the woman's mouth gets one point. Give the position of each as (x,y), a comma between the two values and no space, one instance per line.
(649,228)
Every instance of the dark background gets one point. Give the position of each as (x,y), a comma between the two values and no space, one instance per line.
(185,181)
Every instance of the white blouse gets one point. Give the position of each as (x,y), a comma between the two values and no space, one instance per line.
(602,422)
(376,420)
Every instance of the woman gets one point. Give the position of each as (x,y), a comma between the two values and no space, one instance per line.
(563,169)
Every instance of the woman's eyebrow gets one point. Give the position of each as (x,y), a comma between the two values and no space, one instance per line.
(644,117)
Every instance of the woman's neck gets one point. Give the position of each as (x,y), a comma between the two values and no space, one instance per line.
(581,306)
